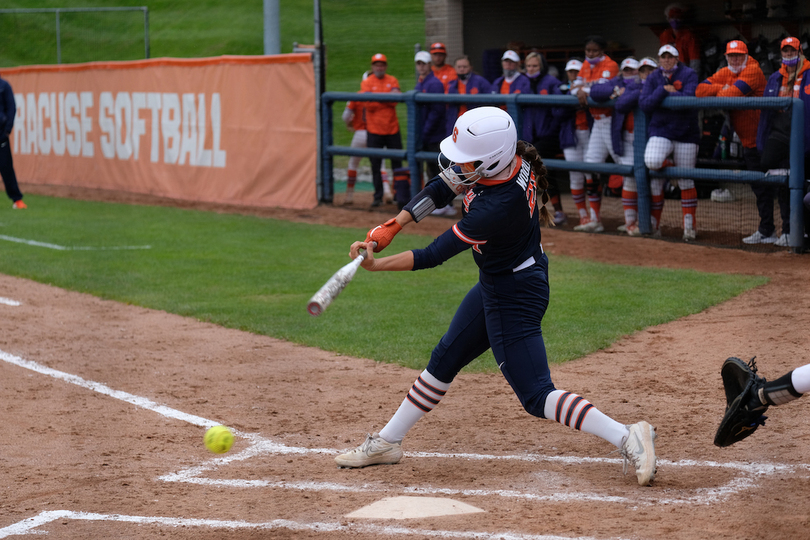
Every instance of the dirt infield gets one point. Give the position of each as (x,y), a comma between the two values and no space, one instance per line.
(105,406)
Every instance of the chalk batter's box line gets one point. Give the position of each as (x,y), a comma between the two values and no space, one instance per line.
(29,526)
(261,446)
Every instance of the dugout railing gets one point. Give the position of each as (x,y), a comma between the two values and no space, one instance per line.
(516,103)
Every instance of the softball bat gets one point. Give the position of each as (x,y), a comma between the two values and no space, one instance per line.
(326,294)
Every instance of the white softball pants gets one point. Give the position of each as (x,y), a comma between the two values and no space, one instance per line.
(683,154)
(577,153)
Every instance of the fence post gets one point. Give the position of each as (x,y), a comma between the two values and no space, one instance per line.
(796,181)
(326,186)
(146,32)
(410,147)
(514,111)
(58,40)
(640,171)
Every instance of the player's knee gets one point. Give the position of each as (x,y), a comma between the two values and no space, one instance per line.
(535,404)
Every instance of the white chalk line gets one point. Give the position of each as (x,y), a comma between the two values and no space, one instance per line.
(9,302)
(27,526)
(68,248)
(259,446)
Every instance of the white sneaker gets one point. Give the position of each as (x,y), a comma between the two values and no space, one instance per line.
(447,211)
(622,228)
(638,448)
(560,218)
(689,235)
(633,230)
(759,238)
(374,451)
(722,195)
(591,226)
(782,241)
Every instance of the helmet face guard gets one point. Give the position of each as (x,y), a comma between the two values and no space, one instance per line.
(482,144)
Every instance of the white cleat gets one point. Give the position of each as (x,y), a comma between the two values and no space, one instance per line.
(689,235)
(591,226)
(374,451)
(638,449)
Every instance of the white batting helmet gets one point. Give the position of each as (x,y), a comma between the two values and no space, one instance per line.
(485,137)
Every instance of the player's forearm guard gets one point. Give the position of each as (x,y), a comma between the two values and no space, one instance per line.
(426,200)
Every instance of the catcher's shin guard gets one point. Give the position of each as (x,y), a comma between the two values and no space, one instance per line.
(402,186)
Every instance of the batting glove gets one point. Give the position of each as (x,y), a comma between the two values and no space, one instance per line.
(383,234)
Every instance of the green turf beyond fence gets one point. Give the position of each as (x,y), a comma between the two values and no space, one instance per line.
(257,275)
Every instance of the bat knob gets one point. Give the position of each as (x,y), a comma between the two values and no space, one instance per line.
(314,309)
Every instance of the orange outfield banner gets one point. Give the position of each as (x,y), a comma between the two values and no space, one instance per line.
(230,129)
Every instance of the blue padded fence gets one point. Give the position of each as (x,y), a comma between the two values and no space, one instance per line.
(515,103)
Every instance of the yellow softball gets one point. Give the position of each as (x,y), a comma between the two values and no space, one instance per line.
(218,439)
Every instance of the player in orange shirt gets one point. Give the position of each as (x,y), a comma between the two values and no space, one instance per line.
(681,37)
(598,67)
(445,73)
(354,115)
(742,77)
(383,128)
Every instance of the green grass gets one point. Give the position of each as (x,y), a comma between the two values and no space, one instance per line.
(258,274)
(352,31)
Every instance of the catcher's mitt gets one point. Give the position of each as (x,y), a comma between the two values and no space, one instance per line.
(744,411)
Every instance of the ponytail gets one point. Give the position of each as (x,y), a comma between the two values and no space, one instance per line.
(529,153)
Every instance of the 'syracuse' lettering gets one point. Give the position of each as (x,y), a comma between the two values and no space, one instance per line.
(186,129)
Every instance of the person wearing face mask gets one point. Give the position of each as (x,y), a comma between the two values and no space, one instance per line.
(671,132)
(575,132)
(541,127)
(597,68)
(743,77)
(681,37)
(512,81)
(625,88)
(773,134)
(466,82)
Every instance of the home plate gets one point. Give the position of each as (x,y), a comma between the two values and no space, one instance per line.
(413,507)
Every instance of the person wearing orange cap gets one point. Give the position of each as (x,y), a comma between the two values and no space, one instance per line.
(742,77)
(445,73)
(681,37)
(382,123)
(773,135)
(354,115)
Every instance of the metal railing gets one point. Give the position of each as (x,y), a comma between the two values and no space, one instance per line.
(59,11)
(515,103)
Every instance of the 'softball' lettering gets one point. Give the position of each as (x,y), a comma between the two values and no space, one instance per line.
(182,126)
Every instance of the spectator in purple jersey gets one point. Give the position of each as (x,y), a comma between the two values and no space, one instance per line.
(673,132)
(541,127)
(466,82)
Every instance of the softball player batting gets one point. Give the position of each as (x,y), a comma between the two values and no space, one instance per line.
(671,131)
(502,180)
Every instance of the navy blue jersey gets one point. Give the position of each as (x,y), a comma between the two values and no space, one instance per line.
(499,222)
